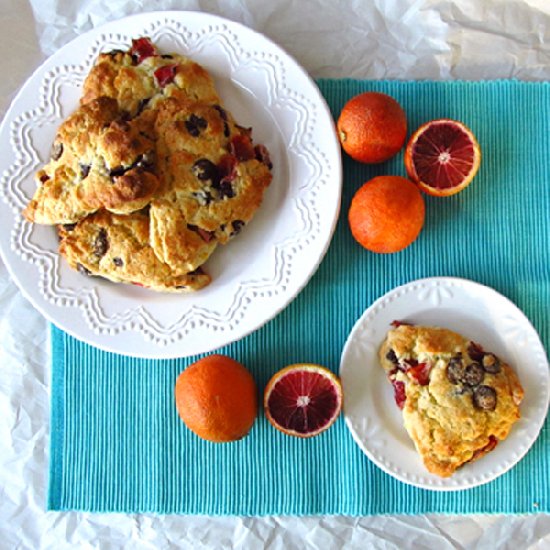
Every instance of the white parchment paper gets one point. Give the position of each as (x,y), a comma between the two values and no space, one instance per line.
(396,39)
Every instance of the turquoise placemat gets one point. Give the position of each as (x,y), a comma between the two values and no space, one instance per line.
(118,445)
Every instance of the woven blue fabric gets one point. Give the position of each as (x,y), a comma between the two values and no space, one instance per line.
(118,445)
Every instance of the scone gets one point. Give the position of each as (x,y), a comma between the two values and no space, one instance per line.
(141,77)
(150,133)
(458,401)
(213,178)
(99,160)
(117,248)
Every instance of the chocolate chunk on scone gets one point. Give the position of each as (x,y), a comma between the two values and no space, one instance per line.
(117,248)
(98,160)
(457,399)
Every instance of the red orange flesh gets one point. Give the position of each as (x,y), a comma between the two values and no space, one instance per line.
(442,157)
(303,400)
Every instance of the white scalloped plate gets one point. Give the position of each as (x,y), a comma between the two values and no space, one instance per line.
(257,274)
(473,310)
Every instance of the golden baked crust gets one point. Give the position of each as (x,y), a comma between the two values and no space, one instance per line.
(213,180)
(117,248)
(141,77)
(457,400)
(99,160)
(150,132)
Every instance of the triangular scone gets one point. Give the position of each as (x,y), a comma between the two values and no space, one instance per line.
(99,160)
(213,178)
(457,399)
(141,77)
(117,248)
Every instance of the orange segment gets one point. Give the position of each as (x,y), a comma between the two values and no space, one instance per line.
(303,400)
(442,157)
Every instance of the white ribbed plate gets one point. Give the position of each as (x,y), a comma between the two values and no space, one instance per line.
(258,273)
(473,310)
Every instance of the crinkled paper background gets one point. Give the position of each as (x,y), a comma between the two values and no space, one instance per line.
(396,39)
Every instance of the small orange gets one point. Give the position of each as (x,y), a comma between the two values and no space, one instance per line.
(216,398)
(442,157)
(372,127)
(386,214)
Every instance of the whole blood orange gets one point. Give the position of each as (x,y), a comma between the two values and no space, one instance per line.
(442,157)
(216,398)
(372,127)
(303,399)
(386,214)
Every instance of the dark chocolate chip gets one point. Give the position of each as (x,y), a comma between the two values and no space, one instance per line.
(167,56)
(101,243)
(118,262)
(473,374)
(491,363)
(390,356)
(194,124)
(485,398)
(199,121)
(69,227)
(192,129)
(206,170)
(455,370)
(44,178)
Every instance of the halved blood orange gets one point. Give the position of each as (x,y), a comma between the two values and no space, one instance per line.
(303,399)
(442,157)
